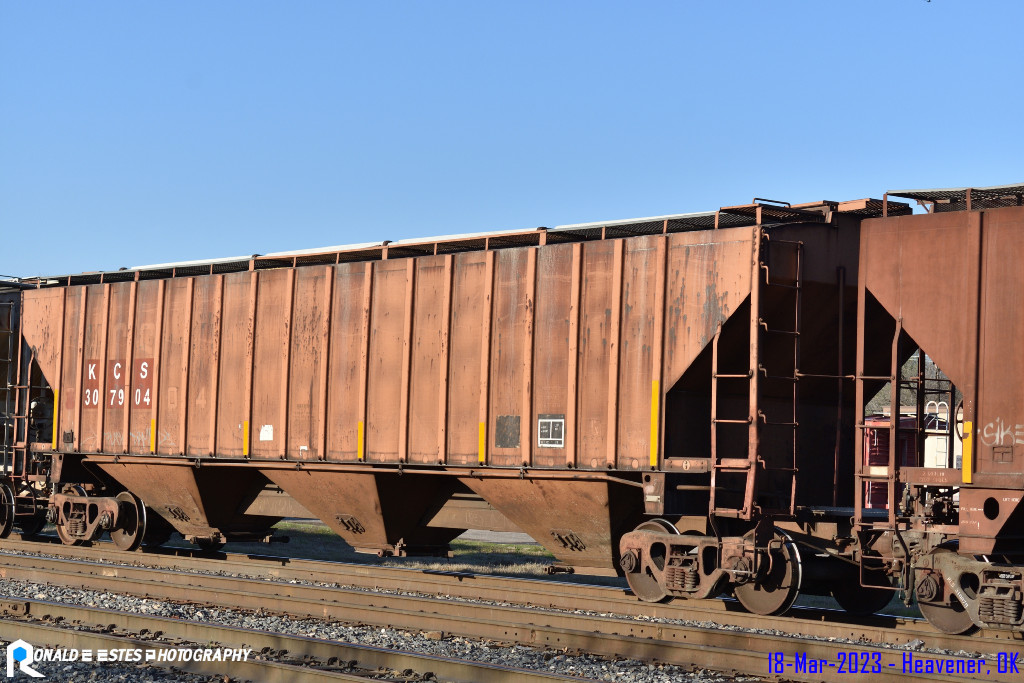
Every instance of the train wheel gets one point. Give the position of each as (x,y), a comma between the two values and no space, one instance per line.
(32,526)
(158,531)
(857,599)
(6,510)
(774,592)
(641,581)
(949,616)
(29,525)
(132,528)
(68,539)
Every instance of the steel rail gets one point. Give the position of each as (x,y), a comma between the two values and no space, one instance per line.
(254,670)
(364,657)
(713,648)
(547,594)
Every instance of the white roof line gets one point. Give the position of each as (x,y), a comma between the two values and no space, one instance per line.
(631,221)
(185,264)
(463,236)
(403,242)
(323,250)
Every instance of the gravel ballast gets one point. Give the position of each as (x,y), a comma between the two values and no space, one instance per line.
(585,666)
(80,672)
(694,623)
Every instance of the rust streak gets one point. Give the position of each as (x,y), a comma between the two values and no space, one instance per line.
(129,364)
(614,353)
(444,364)
(407,331)
(572,401)
(325,359)
(526,422)
(218,313)
(101,371)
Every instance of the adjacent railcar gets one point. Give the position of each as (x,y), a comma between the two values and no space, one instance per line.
(946,286)
(681,399)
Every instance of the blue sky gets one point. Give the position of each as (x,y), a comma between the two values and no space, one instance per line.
(145,132)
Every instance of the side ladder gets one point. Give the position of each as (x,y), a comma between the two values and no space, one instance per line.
(8,385)
(785,293)
(14,395)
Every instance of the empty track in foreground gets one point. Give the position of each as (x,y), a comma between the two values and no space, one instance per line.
(545,614)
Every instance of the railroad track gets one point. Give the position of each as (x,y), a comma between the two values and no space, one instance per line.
(708,647)
(276,657)
(546,594)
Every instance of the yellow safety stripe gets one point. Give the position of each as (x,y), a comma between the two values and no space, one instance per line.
(967,464)
(655,407)
(482,450)
(56,416)
(360,452)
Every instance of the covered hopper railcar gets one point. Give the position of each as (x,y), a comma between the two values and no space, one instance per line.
(682,399)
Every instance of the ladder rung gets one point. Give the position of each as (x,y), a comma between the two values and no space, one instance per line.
(746,376)
(780,424)
(886,378)
(734,422)
(811,374)
(781,378)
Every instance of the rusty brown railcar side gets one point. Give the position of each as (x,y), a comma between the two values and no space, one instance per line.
(947,284)
(972,331)
(563,362)
(184,345)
